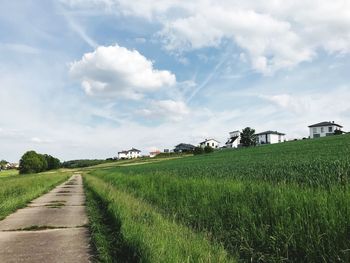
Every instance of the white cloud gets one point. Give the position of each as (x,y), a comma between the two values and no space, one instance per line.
(312,105)
(273,35)
(289,102)
(117,71)
(166,109)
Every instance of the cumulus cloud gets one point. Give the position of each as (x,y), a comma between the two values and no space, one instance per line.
(166,109)
(118,71)
(273,35)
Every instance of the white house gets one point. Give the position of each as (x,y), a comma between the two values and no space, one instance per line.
(323,129)
(270,137)
(210,142)
(130,154)
(234,140)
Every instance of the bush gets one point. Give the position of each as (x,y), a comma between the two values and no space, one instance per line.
(198,150)
(208,149)
(82,163)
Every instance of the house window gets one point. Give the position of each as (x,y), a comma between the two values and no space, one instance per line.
(330,129)
(207,143)
(212,144)
(322,129)
(314,130)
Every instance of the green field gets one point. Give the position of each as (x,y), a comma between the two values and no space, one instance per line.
(7,173)
(17,190)
(287,202)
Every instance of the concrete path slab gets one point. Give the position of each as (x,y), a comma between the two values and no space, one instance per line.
(51,229)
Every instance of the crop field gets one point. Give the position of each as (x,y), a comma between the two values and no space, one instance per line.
(287,202)
(16,191)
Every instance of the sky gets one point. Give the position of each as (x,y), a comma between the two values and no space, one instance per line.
(88,78)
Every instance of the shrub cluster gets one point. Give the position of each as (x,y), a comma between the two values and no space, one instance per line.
(200,150)
(33,162)
(82,163)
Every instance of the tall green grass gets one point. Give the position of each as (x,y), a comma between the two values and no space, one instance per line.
(257,220)
(141,233)
(17,191)
(7,173)
(286,202)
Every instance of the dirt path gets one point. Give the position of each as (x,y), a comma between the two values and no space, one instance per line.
(53,228)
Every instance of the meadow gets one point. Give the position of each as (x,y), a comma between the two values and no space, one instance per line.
(7,173)
(17,190)
(287,202)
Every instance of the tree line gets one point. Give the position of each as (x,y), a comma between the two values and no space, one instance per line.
(33,162)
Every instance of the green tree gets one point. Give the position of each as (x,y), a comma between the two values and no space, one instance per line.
(52,162)
(198,150)
(208,149)
(2,164)
(32,162)
(248,137)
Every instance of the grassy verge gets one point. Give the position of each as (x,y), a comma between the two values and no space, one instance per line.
(17,191)
(126,229)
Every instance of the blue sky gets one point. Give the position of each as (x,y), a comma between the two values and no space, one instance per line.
(86,79)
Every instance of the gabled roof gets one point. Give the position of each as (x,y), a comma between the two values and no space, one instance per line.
(325,123)
(134,150)
(231,140)
(270,132)
(185,145)
(209,140)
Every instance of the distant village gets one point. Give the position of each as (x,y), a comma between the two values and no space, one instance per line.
(234,140)
(322,129)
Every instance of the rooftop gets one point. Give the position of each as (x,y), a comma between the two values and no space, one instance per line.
(208,140)
(270,132)
(325,123)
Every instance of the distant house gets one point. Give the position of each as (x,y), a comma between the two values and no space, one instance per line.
(270,137)
(234,140)
(154,154)
(184,147)
(323,129)
(130,154)
(210,142)
(11,166)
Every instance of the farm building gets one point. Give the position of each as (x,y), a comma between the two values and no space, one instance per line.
(234,139)
(270,137)
(210,142)
(323,129)
(184,147)
(130,154)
